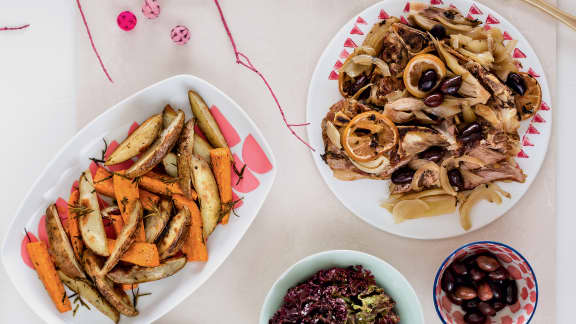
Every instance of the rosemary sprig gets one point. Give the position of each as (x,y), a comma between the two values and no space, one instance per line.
(78,301)
(169,180)
(240,173)
(102,158)
(137,295)
(104,179)
(124,202)
(229,206)
(27,235)
(79,210)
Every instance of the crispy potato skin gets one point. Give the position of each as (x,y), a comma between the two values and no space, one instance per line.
(155,153)
(205,120)
(168,114)
(202,148)
(155,224)
(114,295)
(170,162)
(175,235)
(137,274)
(91,225)
(125,239)
(185,153)
(60,248)
(90,294)
(207,189)
(138,141)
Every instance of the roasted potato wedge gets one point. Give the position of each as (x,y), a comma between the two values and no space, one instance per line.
(207,189)
(138,141)
(155,153)
(155,223)
(168,115)
(125,239)
(137,274)
(175,234)
(89,293)
(91,225)
(202,148)
(113,294)
(60,248)
(205,121)
(170,162)
(185,153)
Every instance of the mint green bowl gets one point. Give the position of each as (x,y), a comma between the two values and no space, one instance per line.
(396,286)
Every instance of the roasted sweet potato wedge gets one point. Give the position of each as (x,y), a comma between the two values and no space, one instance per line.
(89,293)
(90,219)
(155,153)
(125,239)
(138,141)
(207,190)
(175,234)
(60,248)
(137,274)
(155,222)
(206,121)
(185,153)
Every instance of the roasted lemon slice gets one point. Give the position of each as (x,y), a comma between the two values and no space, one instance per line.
(529,103)
(419,67)
(368,136)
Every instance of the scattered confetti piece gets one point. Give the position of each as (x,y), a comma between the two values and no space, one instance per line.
(245,61)
(92,40)
(151,9)
(126,20)
(14,28)
(180,35)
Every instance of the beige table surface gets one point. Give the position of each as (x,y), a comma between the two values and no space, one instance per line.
(285,39)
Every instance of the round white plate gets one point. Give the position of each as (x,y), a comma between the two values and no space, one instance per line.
(363,197)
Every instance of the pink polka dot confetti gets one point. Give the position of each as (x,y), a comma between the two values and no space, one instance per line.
(126,20)
(151,9)
(180,35)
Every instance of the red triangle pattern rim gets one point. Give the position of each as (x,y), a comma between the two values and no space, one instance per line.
(333,76)
(361,20)
(356,31)
(383,14)
(350,43)
(492,20)
(407,7)
(344,54)
(526,141)
(507,36)
(404,20)
(338,65)
(475,10)
(523,155)
(533,73)
(436,2)
(544,106)
(532,130)
(518,53)
(538,119)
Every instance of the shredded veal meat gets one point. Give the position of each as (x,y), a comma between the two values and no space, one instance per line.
(503,171)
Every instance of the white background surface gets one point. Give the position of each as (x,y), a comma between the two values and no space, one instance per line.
(37,100)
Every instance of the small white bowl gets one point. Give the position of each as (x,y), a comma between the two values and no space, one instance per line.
(396,286)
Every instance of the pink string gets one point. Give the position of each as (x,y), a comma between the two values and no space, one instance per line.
(92,41)
(15,28)
(245,61)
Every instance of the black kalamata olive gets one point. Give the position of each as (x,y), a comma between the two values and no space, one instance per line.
(498,305)
(465,293)
(498,274)
(497,289)
(487,263)
(448,281)
(470,305)
(427,80)
(358,84)
(438,31)
(451,85)
(486,309)
(434,100)
(455,178)
(459,268)
(516,83)
(477,274)
(510,292)
(474,318)
(472,138)
(471,129)
(402,176)
(434,154)
(455,299)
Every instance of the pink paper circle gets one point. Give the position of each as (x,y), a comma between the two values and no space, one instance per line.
(126,20)
(180,35)
(151,9)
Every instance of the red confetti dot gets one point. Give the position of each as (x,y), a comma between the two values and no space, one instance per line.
(126,20)
(180,35)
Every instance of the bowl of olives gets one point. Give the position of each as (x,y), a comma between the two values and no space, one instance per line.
(485,282)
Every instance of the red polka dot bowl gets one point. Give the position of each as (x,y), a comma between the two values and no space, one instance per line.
(518,268)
